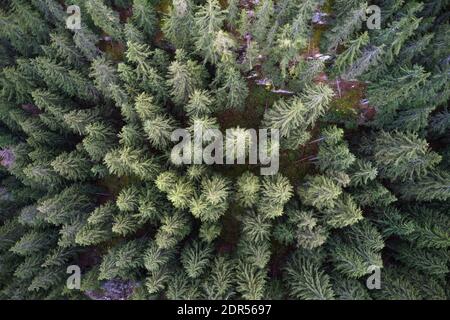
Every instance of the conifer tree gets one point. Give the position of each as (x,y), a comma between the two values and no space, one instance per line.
(105,18)
(233,90)
(345,212)
(178,26)
(433,186)
(359,251)
(394,89)
(121,260)
(200,103)
(346,27)
(263,13)
(144,16)
(99,140)
(319,191)
(184,77)
(195,258)
(220,281)
(73,166)
(352,53)
(173,229)
(64,206)
(403,156)
(86,117)
(85,41)
(208,21)
(306,280)
(251,281)
(248,187)
(275,193)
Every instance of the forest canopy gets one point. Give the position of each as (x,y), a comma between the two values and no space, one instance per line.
(90,97)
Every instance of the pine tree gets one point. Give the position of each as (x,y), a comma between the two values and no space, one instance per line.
(99,140)
(122,260)
(346,27)
(155,258)
(128,199)
(29,267)
(104,75)
(212,202)
(86,118)
(362,172)
(159,130)
(195,257)
(252,55)
(220,281)
(102,214)
(33,242)
(403,156)
(335,157)
(105,18)
(398,286)
(393,90)
(233,90)
(157,280)
(248,187)
(146,107)
(285,116)
(173,229)
(251,281)
(263,13)
(256,228)
(432,262)
(125,224)
(184,77)
(351,54)
(303,227)
(179,23)
(66,50)
(208,21)
(360,250)
(79,120)
(69,81)
(85,41)
(255,253)
(350,289)
(64,206)
(47,279)
(319,191)
(131,135)
(400,31)
(275,193)
(345,212)
(73,166)
(144,16)
(433,186)
(224,46)
(182,288)
(294,117)
(370,57)
(200,103)
(306,280)
(232,12)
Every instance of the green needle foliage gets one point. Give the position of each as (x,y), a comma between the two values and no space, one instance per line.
(87,118)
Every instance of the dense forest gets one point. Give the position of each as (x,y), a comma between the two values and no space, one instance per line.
(87,113)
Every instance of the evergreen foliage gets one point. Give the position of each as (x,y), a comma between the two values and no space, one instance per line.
(86,173)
